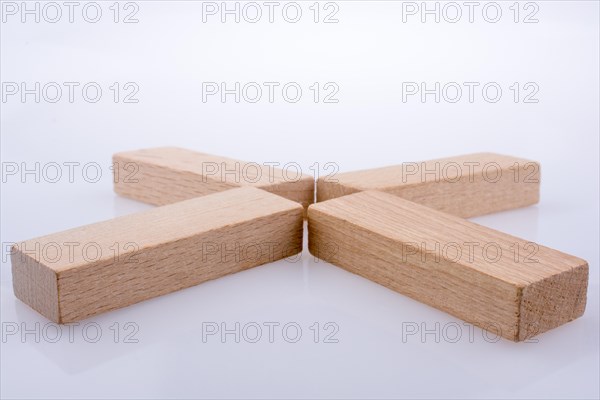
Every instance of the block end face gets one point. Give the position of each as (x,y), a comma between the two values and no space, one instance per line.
(35,284)
(301,191)
(327,190)
(310,214)
(320,245)
(553,301)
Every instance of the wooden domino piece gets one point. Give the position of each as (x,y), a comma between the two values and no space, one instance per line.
(85,271)
(466,186)
(498,282)
(167,175)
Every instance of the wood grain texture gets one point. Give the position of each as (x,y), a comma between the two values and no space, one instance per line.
(466,186)
(498,282)
(166,175)
(84,271)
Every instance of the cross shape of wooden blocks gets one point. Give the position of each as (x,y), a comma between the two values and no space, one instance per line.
(219,216)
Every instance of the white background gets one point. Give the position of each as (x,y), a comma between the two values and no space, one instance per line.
(368,54)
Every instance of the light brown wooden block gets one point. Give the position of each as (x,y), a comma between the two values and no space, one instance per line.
(166,175)
(466,186)
(507,285)
(84,271)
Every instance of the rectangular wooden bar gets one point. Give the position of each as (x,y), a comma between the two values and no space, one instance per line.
(84,271)
(166,175)
(466,186)
(498,282)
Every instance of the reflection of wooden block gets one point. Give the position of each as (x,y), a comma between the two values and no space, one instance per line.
(84,271)
(166,175)
(490,279)
(465,186)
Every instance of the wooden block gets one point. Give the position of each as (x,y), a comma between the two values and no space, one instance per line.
(167,175)
(85,271)
(498,282)
(466,186)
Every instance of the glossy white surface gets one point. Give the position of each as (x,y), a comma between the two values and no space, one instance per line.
(368,54)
